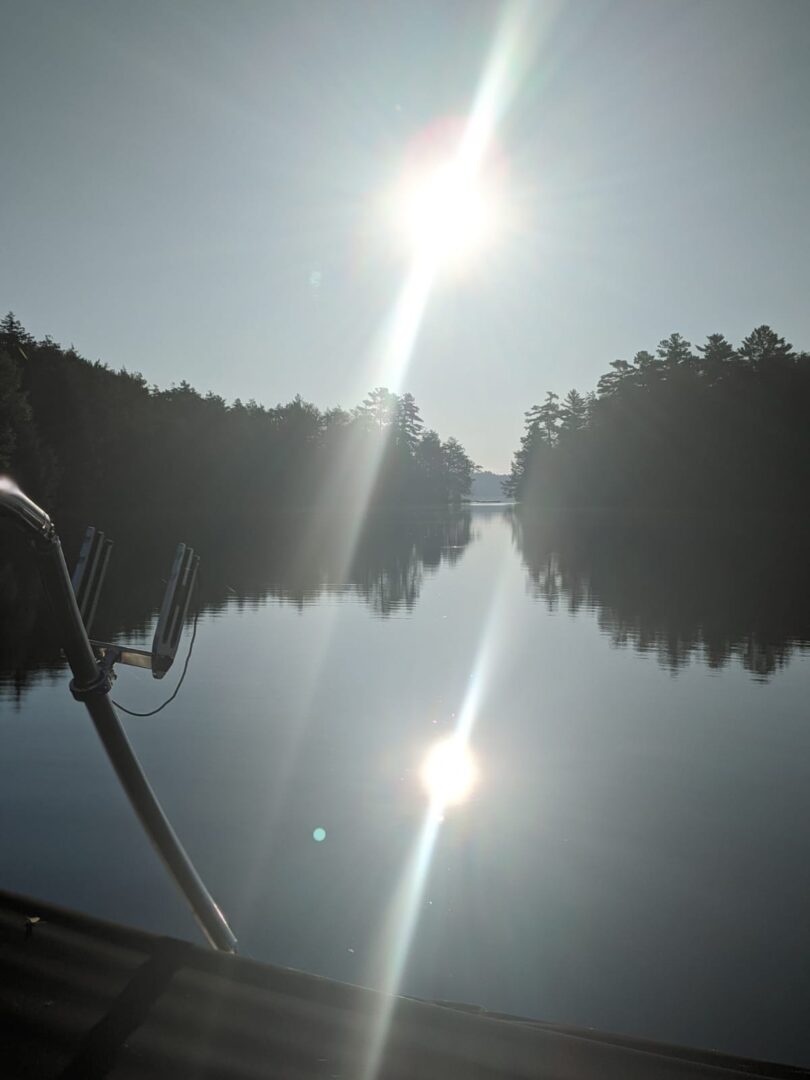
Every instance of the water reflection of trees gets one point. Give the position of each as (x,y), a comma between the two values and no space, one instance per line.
(297,559)
(703,588)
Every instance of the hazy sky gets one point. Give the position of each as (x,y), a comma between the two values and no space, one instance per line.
(191,189)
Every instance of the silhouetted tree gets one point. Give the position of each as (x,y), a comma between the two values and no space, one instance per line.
(408,422)
(573,413)
(673,352)
(458,468)
(763,348)
(13,333)
(677,429)
(718,355)
(380,407)
(14,411)
(549,415)
(431,463)
(81,437)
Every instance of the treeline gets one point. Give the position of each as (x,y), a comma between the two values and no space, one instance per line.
(80,437)
(715,427)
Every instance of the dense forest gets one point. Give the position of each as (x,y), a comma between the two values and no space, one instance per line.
(717,427)
(81,439)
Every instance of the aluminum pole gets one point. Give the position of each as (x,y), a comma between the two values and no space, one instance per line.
(91,686)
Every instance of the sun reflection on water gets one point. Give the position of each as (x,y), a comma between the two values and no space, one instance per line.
(449,772)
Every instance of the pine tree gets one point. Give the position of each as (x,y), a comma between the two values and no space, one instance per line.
(379,408)
(15,413)
(12,332)
(612,382)
(459,469)
(764,348)
(408,422)
(718,355)
(548,419)
(573,413)
(430,461)
(674,352)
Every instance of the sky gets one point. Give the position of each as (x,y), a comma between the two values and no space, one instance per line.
(195,190)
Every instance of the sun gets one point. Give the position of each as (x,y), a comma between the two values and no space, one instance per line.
(446,213)
(449,772)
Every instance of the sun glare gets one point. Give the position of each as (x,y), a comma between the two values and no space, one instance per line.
(449,772)
(447,212)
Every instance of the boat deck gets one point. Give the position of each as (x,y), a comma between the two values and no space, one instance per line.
(82,999)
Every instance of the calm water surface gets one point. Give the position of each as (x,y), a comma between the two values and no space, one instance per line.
(634,856)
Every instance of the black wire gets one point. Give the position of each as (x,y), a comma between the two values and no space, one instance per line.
(168,700)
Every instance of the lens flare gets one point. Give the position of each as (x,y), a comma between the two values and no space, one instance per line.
(463,218)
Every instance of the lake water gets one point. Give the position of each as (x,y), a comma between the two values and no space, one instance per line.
(634,856)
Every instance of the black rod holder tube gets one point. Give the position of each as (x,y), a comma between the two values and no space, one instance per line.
(79,653)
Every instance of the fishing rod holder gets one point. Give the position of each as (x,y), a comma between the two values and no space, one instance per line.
(74,600)
(91,569)
(88,579)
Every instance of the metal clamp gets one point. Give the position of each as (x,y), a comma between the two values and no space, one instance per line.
(102,684)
